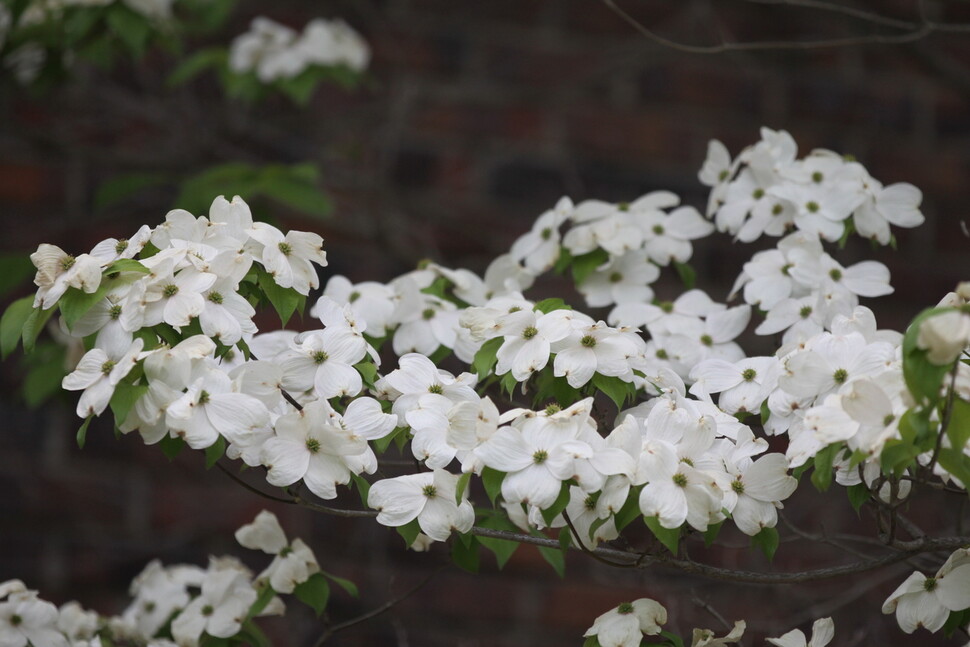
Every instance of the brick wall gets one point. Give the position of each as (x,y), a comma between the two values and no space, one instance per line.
(476,118)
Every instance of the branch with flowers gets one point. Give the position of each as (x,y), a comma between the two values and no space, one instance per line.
(633,437)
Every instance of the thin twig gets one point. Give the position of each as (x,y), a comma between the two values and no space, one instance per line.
(852,12)
(331,630)
(225,470)
(920,31)
(586,549)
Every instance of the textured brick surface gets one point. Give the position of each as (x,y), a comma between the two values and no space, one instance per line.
(476,118)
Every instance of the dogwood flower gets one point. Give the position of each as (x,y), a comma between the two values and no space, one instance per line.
(625,625)
(219,610)
(823,630)
(429,497)
(293,563)
(926,602)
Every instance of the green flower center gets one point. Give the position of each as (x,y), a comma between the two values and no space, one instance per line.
(204,397)
(836,274)
(429,491)
(114,311)
(666,306)
(840,376)
(817,177)
(207,610)
(812,206)
(658,229)
(757,194)
(312,445)
(805,312)
(320,357)
(707,340)
(15,620)
(285,249)
(623,206)
(428,313)
(436,388)
(170,290)
(680,480)
(67,263)
(616,277)
(662,354)
(626,608)
(929,584)
(748,374)
(514,309)
(530,332)
(215,297)
(540,457)
(107,366)
(553,409)
(777,209)
(723,175)
(121,245)
(737,486)
(588,341)
(589,503)
(546,233)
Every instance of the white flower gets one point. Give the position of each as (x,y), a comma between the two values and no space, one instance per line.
(757,491)
(823,630)
(293,563)
(24,618)
(429,497)
(706,637)
(944,335)
(625,625)
(218,611)
(57,271)
(289,258)
(926,602)
(98,374)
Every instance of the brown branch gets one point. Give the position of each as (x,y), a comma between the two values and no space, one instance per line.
(919,31)
(373,613)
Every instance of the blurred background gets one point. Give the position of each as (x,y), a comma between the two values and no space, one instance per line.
(471,120)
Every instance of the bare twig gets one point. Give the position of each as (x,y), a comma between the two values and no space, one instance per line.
(331,630)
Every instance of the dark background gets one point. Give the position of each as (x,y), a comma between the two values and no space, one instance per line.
(474,118)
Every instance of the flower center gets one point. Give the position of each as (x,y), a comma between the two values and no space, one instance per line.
(207,610)
(429,491)
(817,177)
(812,206)
(623,206)
(530,332)
(777,209)
(757,194)
(312,445)
(121,245)
(666,306)
(805,312)
(204,397)
(588,341)
(888,420)
(285,249)
(929,584)
(67,263)
(553,409)
(15,620)
(540,457)
(658,229)
(707,340)
(748,374)
(616,277)
(662,354)
(589,503)
(680,480)
(737,486)
(546,233)
(215,297)
(786,268)
(436,388)
(723,175)
(320,357)
(626,608)
(114,311)
(170,290)
(428,313)
(840,376)
(107,366)
(836,274)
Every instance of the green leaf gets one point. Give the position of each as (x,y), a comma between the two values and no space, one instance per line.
(615,388)
(214,452)
(503,549)
(409,531)
(284,300)
(672,639)
(630,510)
(923,378)
(563,261)
(556,558)
(492,481)
(121,187)
(295,191)
(126,265)
(463,482)
(465,556)
(486,357)
(171,446)
(124,398)
(368,373)
(897,455)
(381,444)
(82,433)
(45,373)
(253,635)
(196,64)
(553,511)
(234,178)
(508,383)
(822,476)
(75,303)
(363,487)
(767,541)
(710,535)
(955,621)
(343,583)
(686,273)
(669,537)
(32,327)
(958,429)
(131,28)
(592,641)
(956,463)
(13,322)
(266,595)
(315,593)
(858,494)
(548,305)
(15,270)
(585,264)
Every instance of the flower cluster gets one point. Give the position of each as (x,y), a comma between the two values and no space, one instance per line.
(273,51)
(171,606)
(167,321)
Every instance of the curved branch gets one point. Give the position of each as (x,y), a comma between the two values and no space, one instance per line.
(919,31)
(852,12)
